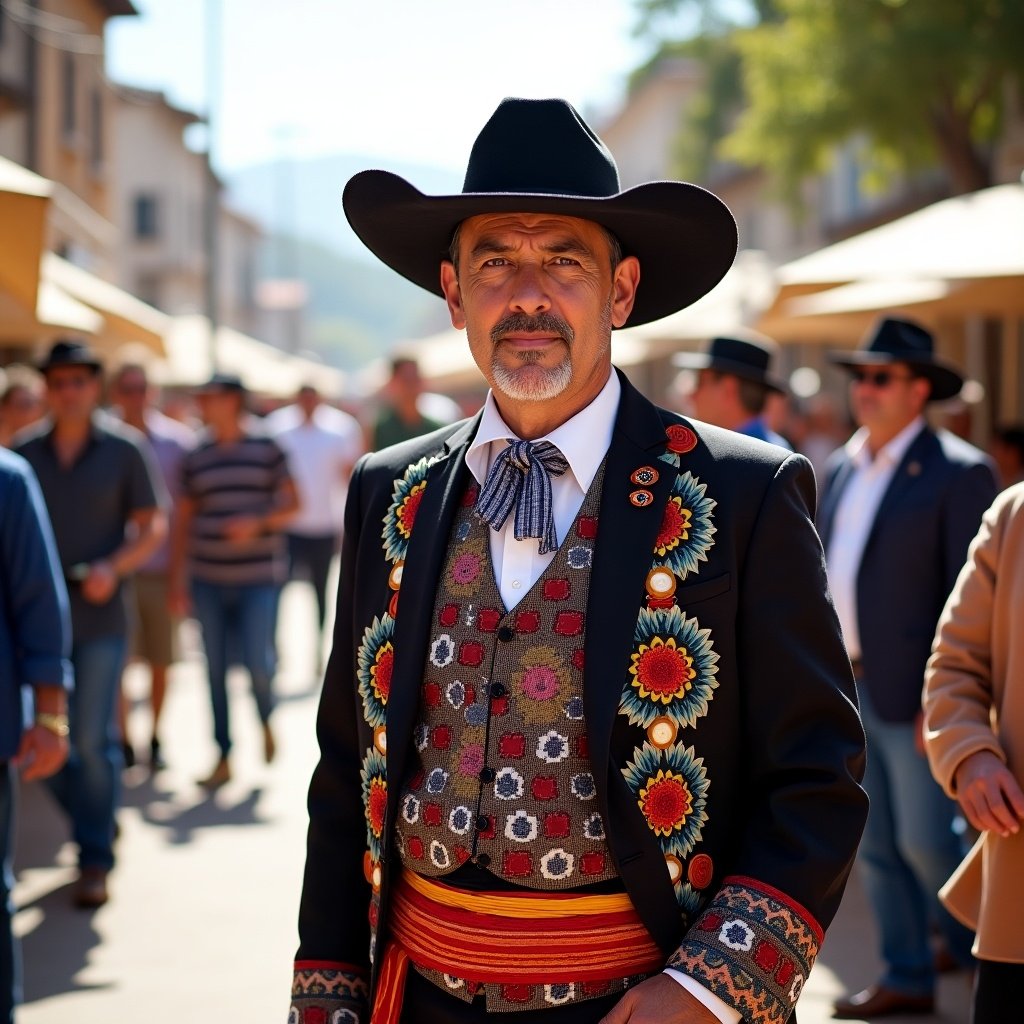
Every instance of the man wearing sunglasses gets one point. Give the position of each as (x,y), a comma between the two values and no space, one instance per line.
(899,506)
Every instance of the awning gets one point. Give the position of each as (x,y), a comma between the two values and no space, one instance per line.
(24,198)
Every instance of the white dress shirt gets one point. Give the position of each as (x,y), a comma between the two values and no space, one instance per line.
(584,440)
(855,515)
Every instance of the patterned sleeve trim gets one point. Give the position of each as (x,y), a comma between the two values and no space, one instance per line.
(328,992)
(753,947)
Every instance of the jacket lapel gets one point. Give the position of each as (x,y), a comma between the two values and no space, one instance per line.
(446,481)
(909,470)
(834,488)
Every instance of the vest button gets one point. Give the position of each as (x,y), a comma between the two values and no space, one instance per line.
(498,689)
(482,822)
(505,634)
(488,775)
(483,860)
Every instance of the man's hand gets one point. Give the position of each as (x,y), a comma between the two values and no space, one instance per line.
(101,583)
(41,753)
(240,529)
(659,1000)
(989,794)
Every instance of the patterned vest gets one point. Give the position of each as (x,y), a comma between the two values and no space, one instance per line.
(502,774)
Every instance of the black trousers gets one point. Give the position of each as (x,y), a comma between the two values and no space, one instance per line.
(998,992)
(310,559)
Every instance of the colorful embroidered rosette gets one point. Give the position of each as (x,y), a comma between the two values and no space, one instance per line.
(686,533)
(671,788)
(375,800)
(671,674)
(405,503)
(374,665)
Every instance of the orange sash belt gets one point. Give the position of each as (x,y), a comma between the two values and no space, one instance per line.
(508,938)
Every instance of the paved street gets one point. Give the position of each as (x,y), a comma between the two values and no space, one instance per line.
(201,925)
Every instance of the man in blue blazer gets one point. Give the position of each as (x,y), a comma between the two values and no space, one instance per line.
(899,507)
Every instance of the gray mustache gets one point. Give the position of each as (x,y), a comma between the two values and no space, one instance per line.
(524,322)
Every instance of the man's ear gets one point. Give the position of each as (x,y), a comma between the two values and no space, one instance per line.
(452,294)
(625,281)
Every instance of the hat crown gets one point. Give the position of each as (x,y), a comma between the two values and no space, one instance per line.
(540,147)
(754,354)
(901,339)
(69,353)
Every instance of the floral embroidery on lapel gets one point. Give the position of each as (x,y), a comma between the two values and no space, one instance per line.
(375,801)
(686,533)
(375,662)
(405,503)
(672,671)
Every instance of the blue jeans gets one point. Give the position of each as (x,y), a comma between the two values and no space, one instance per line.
(10,980)
(908,852)
(88,787)
(239,621)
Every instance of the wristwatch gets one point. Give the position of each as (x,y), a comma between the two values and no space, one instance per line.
(57,724)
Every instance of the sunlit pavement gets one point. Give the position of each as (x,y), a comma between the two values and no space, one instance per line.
(201,922)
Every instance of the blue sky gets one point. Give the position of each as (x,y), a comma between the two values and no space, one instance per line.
(409,80)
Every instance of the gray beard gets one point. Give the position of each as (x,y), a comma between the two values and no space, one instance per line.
(530,382)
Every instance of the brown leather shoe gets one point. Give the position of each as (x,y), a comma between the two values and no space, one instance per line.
(879,1001)
(91,888)
(219,776)
(269,744)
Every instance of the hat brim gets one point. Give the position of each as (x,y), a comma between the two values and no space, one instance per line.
(90,364)
(704,361)
(684,236)
(946,381)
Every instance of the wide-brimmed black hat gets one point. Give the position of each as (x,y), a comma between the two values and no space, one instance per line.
(540,156)
(70,353)
(220,383)
(749,357)
(893,340)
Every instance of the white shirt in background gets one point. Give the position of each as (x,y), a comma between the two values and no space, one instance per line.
(854,517)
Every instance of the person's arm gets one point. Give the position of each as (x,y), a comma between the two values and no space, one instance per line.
(964,752)
(802,754)
(177,595)
(39,622)
(285,505)
(147,528)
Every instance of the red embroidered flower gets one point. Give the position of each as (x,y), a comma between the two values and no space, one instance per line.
(662,670)
(556,825)
(595,988)
(432,814)
(314,1015)
(448,615)
(377,806)
(592,863)
(461,854)
(380,672)
(528,622)
(441,737)
(680,439)
(710,922)
(556,590)
(431,694)
(406,515)
(582,745)
(785,972)
(569,623)
(544,787)
(471,653)
(466,568)
(517,993)
(586,527)
(512,744)
(540,682)
(577,659)
(487,620)
(666,802)
(415,847)
(675,526)
(766,956)
(516,864)
(499,706)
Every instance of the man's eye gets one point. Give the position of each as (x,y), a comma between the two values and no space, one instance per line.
(566,261)
(496,261)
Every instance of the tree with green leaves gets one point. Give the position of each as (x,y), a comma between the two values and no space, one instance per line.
(921,80)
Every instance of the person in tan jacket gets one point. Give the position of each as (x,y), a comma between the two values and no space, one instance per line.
(974,737)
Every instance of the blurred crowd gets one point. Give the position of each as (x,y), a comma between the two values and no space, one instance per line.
(142,508)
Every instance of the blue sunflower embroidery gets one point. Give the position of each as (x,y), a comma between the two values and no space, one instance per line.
(405,503)
(671,790)
(686,530)
(672,669)
(375,662)
(688,898)
(375,799)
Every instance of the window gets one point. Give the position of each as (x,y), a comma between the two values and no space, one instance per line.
(69,122)
(146,225)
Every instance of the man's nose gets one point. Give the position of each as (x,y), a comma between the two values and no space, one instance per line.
(529,293)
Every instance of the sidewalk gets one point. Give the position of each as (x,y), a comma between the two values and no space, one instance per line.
(201,924)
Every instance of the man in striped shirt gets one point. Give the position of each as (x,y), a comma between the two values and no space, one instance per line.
(229,551)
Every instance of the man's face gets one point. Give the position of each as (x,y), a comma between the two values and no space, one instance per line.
(131,392)
(538,298)
(885,398)
(22,407)
(307,400)
(72,392)
(219,408)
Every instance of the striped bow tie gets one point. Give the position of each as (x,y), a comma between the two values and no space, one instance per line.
(521,476)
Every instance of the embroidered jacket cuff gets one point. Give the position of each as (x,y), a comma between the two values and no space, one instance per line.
(328,992)
(753,947)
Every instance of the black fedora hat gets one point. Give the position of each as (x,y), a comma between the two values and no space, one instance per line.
(894,340)
(540,156)
(749,356)
(221,383)
(70,353)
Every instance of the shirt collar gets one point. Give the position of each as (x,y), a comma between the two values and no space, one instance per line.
(891,453)
(583,440)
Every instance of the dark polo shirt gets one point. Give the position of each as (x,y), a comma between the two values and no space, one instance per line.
(90,503)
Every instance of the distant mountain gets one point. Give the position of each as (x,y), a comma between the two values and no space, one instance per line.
(302,198)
